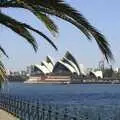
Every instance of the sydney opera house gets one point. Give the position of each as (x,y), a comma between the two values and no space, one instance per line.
(62,70)
(67,65)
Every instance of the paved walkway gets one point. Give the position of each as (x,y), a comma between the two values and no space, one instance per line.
(6,116)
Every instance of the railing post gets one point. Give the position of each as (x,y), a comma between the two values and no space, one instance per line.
(56,113)
(65,114)
(74,118)
(37,110)
(26,110)
(21,110)
(49,112)
(43,112)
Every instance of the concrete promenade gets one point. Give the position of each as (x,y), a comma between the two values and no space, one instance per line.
(6,116)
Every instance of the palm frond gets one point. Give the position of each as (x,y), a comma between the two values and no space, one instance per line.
(64,17)
(61,7)
(3,51)
(48,22)
(2,71)
(36,10)
(20,28)
(79,21)
(41,34)
(103,45)
(64,11)
(13,25)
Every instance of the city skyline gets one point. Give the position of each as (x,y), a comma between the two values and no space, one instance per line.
(101,14)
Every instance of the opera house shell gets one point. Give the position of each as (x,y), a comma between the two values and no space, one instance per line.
(67,65)
(97,74)
(44,67)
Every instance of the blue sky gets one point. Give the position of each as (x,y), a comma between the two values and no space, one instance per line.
(103,14)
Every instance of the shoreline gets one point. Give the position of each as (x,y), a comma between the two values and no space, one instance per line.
(72,83)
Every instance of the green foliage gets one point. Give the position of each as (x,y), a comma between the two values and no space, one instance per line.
(108,72)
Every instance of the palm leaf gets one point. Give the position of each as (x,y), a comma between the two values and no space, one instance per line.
(3,51)
(41,34)
(2,71)
(20,28)
(64,17)
(87,29)
(64,11)
(10,23)
(48,22)
(62,8)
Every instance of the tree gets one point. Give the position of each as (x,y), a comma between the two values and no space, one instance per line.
(2,73)
(41,9)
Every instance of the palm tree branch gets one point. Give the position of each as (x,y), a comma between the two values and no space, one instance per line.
(60,9)
(100,39)
(3,51)
(43,17)
(35,10)
(47,21)
(40,33)
(2,71)
(20,28)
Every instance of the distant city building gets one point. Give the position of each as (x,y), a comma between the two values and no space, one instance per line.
(23,73)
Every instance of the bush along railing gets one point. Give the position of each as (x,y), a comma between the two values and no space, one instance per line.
(31,109)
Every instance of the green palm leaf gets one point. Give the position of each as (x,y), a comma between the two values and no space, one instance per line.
(10,23)
(48,22)
(3,51)
(64,11)
(61,8)
(20,28)
(2,72)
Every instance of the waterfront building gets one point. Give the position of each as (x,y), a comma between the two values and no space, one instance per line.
(70,57)
(63,68)
(29,70)
(97,74)
(44,67)
(67,65)
(61,71)
(23,73)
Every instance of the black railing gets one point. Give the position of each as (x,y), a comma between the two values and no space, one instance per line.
(26,109)
(32,109)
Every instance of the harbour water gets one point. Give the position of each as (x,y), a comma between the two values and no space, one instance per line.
(82,94)
(76,101)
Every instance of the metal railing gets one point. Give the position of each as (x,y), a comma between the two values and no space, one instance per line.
(29,109)
(32,109)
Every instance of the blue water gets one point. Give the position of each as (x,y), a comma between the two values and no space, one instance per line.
(84,94)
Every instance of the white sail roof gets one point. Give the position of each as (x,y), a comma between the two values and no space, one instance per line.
(82,69)
(69,67)
(72,65)
(50,60)
(42,68)
(69,56)
(98,74)
(49,66)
